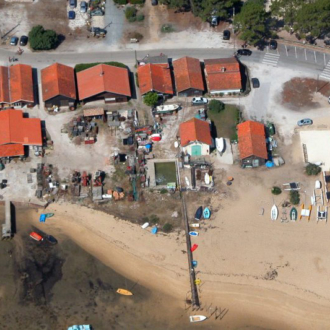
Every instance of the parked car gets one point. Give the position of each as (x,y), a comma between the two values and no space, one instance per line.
(73,3)
(214,20)
(154,2)
(244,52)
(23,40)
(13,41)
(255,82)
(226,35)
(305,122)
(83,7)
(71,14)
(97,12)
(273,44)
(199,100)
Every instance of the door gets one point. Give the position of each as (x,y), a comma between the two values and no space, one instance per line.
(196,150)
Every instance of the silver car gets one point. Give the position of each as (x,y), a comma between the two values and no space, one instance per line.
(199,100)
(83,6)
(305,122)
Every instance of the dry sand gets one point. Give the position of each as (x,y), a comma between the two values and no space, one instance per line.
(238,251)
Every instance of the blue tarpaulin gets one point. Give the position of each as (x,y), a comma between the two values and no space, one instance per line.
(270,164)
(42,218)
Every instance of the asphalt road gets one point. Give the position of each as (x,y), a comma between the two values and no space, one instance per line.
(284,56)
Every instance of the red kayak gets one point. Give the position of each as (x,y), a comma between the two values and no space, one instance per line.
(194,247)
(36,236)
(156,137)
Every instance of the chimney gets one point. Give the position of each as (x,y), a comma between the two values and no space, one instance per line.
(223,69)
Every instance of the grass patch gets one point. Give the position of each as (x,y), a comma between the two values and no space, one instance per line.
(167,28)
(119,174)
(84,66)
(225,121)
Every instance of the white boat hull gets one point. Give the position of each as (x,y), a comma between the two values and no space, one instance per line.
(197,318)
(220,145)
(274,213)
(207,178)
(167,108)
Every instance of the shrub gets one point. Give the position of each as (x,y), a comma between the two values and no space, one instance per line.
(167,28)
(216,106)
(120,2)
(167,227)
(140,18)
(137,79)
(163,191)
(312,169)
(294,197)
(83,66)
(130,12)
(150,99)
(132,19)
(41,39)
(154,219)
(137,2)
(276,191)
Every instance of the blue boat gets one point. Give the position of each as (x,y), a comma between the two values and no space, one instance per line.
(199,213)
(44,216)
(193,233)
(206,213)
(194,263)
(80,327)
(154,230)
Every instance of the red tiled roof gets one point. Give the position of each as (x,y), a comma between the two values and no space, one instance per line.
(58,79)
(155,77)
(11,150)
(16,129)
(252,140)
(21,83)
(4,85)
(223,74)
(188,74)
(103,78)
(195,130)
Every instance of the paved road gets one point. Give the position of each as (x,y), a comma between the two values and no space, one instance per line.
(284,56)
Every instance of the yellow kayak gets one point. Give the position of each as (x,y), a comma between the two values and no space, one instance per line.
(124,292)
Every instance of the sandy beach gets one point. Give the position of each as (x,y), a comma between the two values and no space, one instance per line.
(257,273)
(260,273)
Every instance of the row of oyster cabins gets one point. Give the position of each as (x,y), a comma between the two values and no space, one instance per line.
(62,87)
(112,84)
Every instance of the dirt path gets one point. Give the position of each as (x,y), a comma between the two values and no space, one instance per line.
(155,16)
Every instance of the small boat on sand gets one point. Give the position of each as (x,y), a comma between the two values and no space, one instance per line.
(194,263)
(176,144)
(154,230)
(220,145)
(207,178)
(194,225)
(155,137)
(206,213)
(124,292)
(274,213)
(80,327)
(167,108)
(199,213)
(187,181)
(197,318)
(294,214)
(145,225)
(36,236)
(194,247)
(44,216)
(193,233)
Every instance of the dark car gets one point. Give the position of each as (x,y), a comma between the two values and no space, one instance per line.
(154,2)
(71,14)
(226,35)
(23,40)
(273,44)
(83,6)
(244,52)
(13,41)
(305,122)
(255,82)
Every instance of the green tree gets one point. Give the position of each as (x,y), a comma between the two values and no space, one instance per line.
(41,39)
(130,12)
(312,169)
(150,99)
(167,227)
(216,106)
(251,21)
(294,197)
(286,10)
(313,18)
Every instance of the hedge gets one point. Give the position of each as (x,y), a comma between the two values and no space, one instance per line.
(84,66)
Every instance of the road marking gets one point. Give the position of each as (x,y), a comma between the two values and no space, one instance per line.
(315,56)
(286,50)
(326,72)
(295,50)
(305,55)
(271,59)
(325,63)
